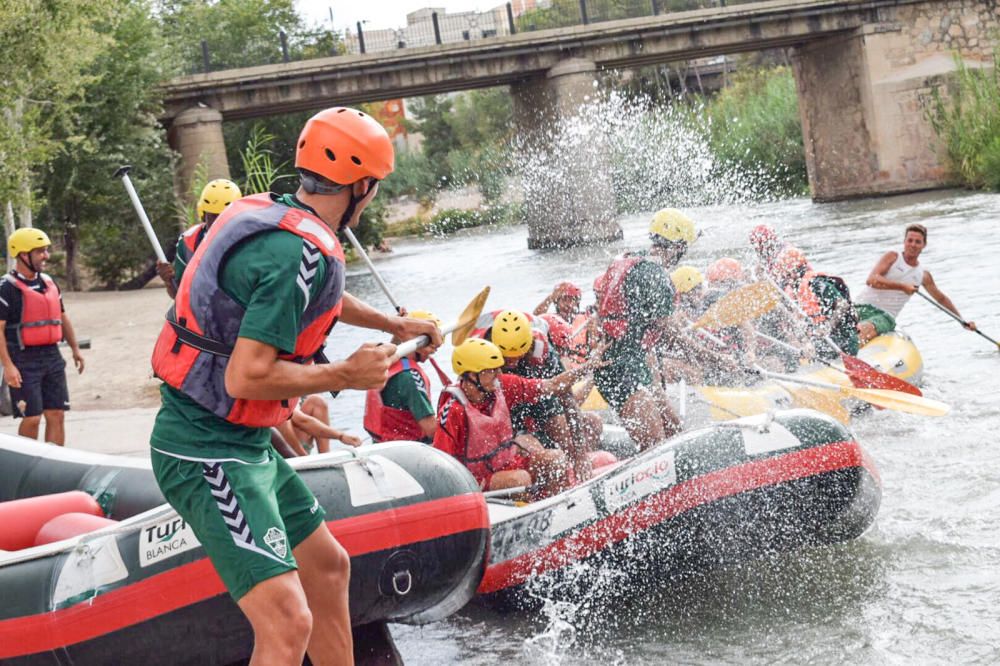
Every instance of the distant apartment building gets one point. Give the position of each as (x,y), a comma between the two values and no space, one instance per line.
(452,27)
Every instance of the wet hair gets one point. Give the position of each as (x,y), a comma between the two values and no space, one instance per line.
(918,228)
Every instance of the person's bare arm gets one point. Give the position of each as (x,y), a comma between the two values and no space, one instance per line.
(941,298)
(428,425)
(10,371)
(69,334)
(255,372)
(543,307)
(358,313)
(878,280)
(166,273)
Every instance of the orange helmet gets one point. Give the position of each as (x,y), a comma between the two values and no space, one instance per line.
(764,240)
(726,269)
(790,259)
(345,145)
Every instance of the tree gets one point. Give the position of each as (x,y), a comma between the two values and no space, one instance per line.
(116,123)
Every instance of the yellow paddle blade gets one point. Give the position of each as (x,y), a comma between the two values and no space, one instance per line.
(729,402)
(740,305)
(595,402)
(900,402)
(827,402)
(467,320)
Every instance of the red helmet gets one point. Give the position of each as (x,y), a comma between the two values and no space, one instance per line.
(599,283)
(726,269)
(790,259)
(345,145)
(764,239)
(568,289)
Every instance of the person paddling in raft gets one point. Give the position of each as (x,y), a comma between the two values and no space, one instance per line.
(474,422)
(824,300)
(404,408)
(214,198)
(896,277)
(253,308)
(636,299)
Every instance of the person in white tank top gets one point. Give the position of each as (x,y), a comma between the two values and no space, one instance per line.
(895,278)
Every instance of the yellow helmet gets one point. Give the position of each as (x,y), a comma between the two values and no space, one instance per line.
(425,314)
(475,355)
(669,224)
(216,196)
(686,278)
(512,333)
(27,239)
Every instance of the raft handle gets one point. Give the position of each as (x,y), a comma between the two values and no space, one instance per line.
(398,577)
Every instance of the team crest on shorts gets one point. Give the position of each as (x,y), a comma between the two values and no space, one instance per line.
(275,539)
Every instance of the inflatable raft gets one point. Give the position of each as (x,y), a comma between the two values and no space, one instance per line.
(112,575)
(893,353)
(732,491)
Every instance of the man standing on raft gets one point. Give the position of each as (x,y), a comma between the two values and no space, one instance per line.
(254,306)
(895,278)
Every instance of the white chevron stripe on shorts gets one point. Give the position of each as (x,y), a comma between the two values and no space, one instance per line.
(229,509)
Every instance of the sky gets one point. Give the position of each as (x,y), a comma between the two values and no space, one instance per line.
(379,13)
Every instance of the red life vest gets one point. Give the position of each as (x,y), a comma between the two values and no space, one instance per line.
(41,313)
(488,440)
(386,423)
(575,347)
(189,241)
(613,306)
(193,349)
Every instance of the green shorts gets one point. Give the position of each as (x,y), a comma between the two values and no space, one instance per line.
(626,373)
(247,516)
(882,320)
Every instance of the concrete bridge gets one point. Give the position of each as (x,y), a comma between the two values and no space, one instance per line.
(864,69)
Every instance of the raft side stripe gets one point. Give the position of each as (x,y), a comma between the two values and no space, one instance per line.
(198,581)
(672,502)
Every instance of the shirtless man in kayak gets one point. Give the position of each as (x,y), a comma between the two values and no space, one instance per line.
(896,277)
(474,422)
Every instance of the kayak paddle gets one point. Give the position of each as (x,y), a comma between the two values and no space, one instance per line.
(954,316)
(895,400)
(739,305)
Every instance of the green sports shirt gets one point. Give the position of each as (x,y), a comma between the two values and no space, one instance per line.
(260,274)
(405,390)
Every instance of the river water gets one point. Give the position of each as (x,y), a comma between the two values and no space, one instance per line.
(922,586)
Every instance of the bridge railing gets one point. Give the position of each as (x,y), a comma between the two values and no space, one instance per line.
(427,28)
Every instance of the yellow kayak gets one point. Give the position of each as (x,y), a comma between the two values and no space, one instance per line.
(893,353)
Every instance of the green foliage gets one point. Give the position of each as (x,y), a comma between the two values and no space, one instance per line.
(755,123)
(968,121)
(450,220)
(259,168)
(115,123)
(432,121)
(413,176)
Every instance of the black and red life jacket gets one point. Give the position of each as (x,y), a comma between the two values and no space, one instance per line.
(193,349)
(386,423)
(613,308)
(41,313)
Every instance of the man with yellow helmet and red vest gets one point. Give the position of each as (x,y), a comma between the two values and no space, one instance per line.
(474,422)
(254,306)
(636,301)
(404,408)
(215,196)
(824,299)
(34,322)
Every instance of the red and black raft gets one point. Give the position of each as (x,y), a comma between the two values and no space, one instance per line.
(733,491)
(139,589)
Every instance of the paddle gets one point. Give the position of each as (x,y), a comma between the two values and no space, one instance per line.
(895,400)
(860,373)
(739,305)
(459,329)
(122,173)
(955,317)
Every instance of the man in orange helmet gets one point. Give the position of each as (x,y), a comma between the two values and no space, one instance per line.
(253,308)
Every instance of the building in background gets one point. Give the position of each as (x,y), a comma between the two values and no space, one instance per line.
(453,27)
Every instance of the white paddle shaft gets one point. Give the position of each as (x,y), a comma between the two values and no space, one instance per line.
(154,241)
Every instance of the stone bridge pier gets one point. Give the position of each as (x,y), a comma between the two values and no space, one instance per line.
(568,195)
(864,96)
(196,134)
